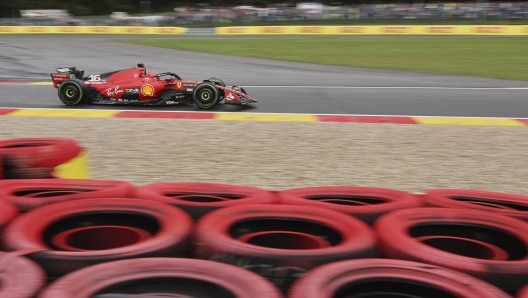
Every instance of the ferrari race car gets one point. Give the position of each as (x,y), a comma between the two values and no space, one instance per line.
(136,86)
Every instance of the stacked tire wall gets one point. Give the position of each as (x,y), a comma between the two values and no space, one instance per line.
(30,158)
(109,238)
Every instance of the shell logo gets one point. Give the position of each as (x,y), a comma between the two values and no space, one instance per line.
(147,90)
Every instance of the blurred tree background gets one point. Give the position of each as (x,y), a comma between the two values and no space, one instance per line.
(10,8)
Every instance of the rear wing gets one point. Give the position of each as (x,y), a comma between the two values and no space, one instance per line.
(66,73)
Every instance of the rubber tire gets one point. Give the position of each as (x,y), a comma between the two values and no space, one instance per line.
(217,81)
(213,92)
(522,293)
(329,280)
(40,152)
(397,243)
(88,282)
(394,200)
(8,212)
(160,191)
(27,232)
(442,198)
(212,241)
(19,277)
(25,193)
(77,86)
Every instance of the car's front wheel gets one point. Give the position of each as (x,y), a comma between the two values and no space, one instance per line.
(217,81)
(72,92)
(206,96)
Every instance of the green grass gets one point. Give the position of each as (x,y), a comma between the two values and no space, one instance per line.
(500,57)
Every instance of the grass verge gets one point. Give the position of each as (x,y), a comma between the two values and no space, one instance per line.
(494,57)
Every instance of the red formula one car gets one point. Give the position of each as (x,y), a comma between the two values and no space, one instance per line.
(136,86)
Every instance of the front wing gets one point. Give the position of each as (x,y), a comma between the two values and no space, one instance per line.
(236,96)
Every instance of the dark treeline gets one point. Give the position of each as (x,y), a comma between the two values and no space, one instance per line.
(11,8)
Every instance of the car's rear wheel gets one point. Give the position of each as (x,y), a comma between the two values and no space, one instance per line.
(206,96)
(72,92)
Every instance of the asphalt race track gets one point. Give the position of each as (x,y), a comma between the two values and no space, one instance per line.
(280,87)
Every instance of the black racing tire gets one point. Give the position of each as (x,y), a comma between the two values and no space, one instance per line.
(161,277)
(221,83)
(72,92)
(206,95)
(217,81)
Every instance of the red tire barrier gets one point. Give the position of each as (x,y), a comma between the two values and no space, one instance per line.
(522,293)
(98,231)
(40,152)
(8,211)
(277,241)
(161,277)
(390,278)
(19,277)
(507,204)
(365,203)
(33,193)
(452,238)
(201,198)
